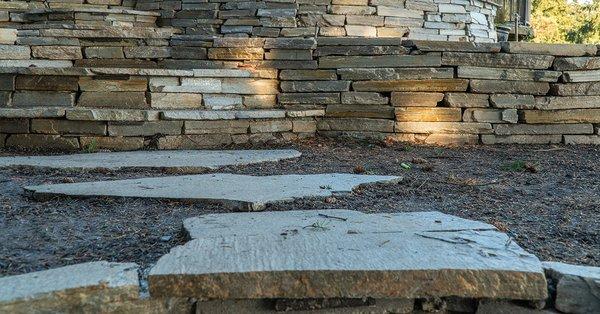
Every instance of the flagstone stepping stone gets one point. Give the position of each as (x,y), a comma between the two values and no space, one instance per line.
(235,191)
(190,159)
(69,288)
(345,254)
(577,287)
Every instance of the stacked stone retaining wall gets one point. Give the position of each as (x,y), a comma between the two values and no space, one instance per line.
(123,87)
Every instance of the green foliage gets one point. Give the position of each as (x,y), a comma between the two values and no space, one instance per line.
(518,165)
(565,21)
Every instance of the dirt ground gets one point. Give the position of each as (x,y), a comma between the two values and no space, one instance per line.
(546,197)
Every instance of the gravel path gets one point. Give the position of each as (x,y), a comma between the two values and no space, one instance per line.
(546,197)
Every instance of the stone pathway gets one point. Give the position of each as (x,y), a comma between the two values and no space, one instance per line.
(189,159)
(235,191)
(345,254)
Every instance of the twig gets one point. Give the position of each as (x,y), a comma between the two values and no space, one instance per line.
(333,217)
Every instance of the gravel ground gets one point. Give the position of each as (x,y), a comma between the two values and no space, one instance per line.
(546,197)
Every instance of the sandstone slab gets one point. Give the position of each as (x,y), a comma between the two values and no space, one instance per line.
(321,254)
(236,191)
(193,159)
(68,289)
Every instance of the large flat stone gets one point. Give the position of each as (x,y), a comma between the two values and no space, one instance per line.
(237,191)
(577,287)
(191,159)
(346,254)
(68,289)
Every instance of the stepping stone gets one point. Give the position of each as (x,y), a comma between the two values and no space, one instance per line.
(235,191)
(190,159)
(577,287)
(69,288)
(345,254)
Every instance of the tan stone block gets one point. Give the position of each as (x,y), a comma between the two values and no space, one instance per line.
(12,52)
(491,115)
(146,128)
(175,100)
(112,143)
(466,100)
(512,101)
(490,139)
(304,126)
(308,75)
(437,139)
(46,83)
(87,114)
(129,84)
(424,114)
(260,101)
(194,141)
(443,127)
(356,124)
(42,141)
(542,129)
(236,53)
(124,100)
(270,126)
(363,98)
(104,53)
(410,99)
(576,89)
(57,52)
(445,85)
(336,62)
(213,127)
(51,126)
(568,102)
(507,74)
(8,36)
(561,116)
(582,139)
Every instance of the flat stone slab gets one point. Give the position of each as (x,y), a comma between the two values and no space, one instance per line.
(190,159)
(345,254)
(235,191)
(577,287)
(69,288)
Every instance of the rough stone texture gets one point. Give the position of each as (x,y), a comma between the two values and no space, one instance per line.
(285,258)
(427,60)
(497,60)
(56,52)
(577,287)
(515,87)
(424,114)
(580,76)
(442,85)
(70,288)
(574,102)
(195,159)
(464,100)
(443,127)
(577,63)
(410,99)
(563,50)
(512,101)
(533,129)
(51,126)
(520,139)
(490,115)
(384,73)
(42,141)
(576,89)
(508,74)
(111,143)
(237,191)
(561,116)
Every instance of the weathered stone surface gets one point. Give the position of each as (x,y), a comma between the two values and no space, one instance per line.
(290,43)
(505,272)
(507,307)
(363,98)
(547,129)
(193,159)
(490,115)
(410,99)
(581,76)
(424,114)
(147,52)
(465,100)
(428,46)
(561,116)
(489,139)
(49,83)
(237,191)
(308,75)
(111,115)
(577,287)
(28,99)
(7,82)
(449,85)
(125,100)
(577,63)
(49,112)
(576,89)
(8,36)
(288,54)
(356,124)
(57,52)
(70,288)
(51,126)
(104,53)
(270,126)
(129,84)
(516,87)
(19,125)
(384,73)
(436,139)
(360,50)
(175,100)
(443,127)
(308,98)
(236,53)
(42,141)
(222,101)
(508,74)
(8,52)
(576,102)
(497,60)
(426,60)
(110,143)
(379,112)
(582,140)
(567,50)
(512,101)
(213,127)
(315,86)
(146,128)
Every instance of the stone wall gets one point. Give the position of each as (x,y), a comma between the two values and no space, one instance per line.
(109,93)
(445,20)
